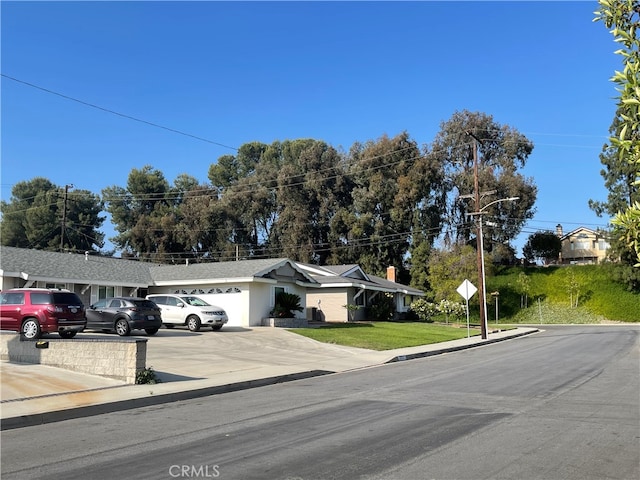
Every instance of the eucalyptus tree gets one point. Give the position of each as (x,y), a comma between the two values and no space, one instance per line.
(247,207)
(500,151)
(375,230)
(311,187)
(44,216)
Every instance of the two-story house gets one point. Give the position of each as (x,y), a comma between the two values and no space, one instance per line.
(582,246)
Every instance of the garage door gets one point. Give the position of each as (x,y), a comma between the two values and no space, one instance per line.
(230,299)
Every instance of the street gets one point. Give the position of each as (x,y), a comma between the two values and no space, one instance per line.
(561,404)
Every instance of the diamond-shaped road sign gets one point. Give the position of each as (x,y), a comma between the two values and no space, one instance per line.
(467,290)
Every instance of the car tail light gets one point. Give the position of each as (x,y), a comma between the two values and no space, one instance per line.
(54,309)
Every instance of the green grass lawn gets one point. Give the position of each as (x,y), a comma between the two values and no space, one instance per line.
(384,335)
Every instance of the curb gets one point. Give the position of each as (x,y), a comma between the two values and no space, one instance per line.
(120,405)
(411,356)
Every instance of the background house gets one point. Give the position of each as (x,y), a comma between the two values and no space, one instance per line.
(582,246)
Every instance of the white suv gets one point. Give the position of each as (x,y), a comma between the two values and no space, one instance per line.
(189,310)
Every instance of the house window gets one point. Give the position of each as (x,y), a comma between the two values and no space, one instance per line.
(406,300)
(603,245)
(275,291)
(57,286)
(106,292)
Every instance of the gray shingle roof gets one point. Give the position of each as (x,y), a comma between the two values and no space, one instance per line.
(219,270)
(78,268)
(73,267)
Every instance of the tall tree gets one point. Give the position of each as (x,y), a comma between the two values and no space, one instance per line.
(145,216)
(311,188)
(623,18)
(501,152)
(39,211)
(375,231)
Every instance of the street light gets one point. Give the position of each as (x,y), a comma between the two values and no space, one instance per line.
(483,290)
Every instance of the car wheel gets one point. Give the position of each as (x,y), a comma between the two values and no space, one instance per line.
(30,329)
(193,322)
(151,331)
(168,325)
(215,328)
(67,334)
(122,327)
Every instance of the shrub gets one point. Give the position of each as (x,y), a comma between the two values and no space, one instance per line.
(286,303)
(147,376)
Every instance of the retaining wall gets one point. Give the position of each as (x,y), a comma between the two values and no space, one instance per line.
(118,358)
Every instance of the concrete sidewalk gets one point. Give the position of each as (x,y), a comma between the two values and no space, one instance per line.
(191,365)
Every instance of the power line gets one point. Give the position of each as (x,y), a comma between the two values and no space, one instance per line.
(113,112)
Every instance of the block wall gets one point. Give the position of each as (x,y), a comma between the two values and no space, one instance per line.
(120,358)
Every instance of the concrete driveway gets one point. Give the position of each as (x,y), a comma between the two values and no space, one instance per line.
(179,354)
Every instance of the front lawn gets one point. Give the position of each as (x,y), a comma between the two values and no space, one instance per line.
(384,335)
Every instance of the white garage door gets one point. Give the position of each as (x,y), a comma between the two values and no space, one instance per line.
(231,301)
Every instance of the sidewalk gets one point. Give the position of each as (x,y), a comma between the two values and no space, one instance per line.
(215,362)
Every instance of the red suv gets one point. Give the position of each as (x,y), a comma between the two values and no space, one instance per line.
(34,311)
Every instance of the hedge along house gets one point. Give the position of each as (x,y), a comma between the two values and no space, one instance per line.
(340,286)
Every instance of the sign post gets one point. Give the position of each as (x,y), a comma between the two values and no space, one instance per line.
(467,290)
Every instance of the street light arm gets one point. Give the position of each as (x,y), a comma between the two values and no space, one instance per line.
(510,199)
(481,211)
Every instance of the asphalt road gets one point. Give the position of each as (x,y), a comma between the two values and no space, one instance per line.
(562,404)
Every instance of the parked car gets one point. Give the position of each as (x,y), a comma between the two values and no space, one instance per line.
(189,310)
(34,311)
(123,314)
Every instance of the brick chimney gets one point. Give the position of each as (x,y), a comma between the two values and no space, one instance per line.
(559,230)
(391,274)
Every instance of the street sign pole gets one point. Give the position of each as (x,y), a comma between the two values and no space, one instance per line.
(467,290)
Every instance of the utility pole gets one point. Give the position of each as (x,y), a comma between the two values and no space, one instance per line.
(63,225)
(479,243)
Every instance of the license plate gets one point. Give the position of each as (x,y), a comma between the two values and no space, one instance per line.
(151,317)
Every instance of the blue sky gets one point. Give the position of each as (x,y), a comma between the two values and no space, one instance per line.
(236,72)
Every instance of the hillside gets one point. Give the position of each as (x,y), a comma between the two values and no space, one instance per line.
(598,297)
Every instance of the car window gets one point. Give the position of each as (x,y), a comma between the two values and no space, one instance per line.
(41,298)
(100,303)
(115,303)
(146,304)
(65,298)
(12,298)
(172,301)
(195,301)
(159,300)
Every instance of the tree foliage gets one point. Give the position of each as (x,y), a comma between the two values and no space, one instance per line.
(38,213)
(382,203)
(623,18)
(502,152)
(542,246)
(449,268)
